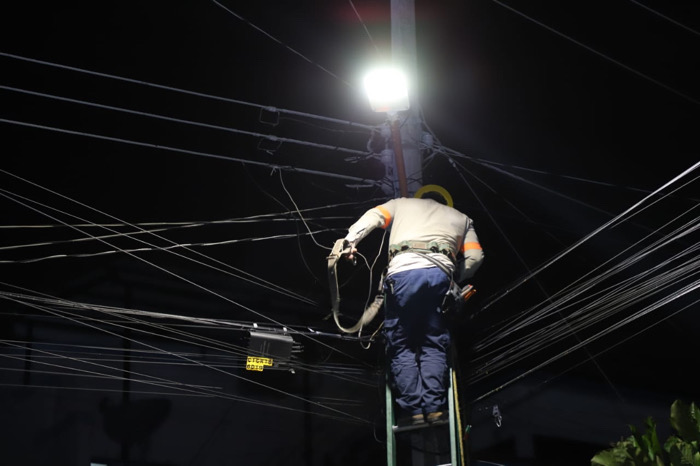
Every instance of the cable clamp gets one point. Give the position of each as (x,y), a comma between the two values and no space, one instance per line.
(497,416)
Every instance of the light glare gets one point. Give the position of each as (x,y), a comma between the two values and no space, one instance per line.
(387,89)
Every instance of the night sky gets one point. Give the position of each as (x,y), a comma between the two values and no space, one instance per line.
(559,121)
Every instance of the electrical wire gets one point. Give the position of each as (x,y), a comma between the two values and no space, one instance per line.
(606,225)
(149,231)
(162,248)
(199,363)
(273,38)
(544,336)
(269,137)
(273,217)
(667,18)
(598,275)
(137,257)
(190,152)
(541,288)
(237,273)
(296,207)
(182,91)
(359,18)
(485,210)
(693,287)
(600,54)
(595,306)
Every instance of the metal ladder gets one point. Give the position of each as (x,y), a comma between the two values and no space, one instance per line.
(427,440)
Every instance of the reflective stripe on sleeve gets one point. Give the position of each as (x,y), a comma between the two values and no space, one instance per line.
(472,245)
(385,213)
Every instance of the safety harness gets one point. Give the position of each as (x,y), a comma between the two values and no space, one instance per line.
(456,296)
(422,247)
(339,249)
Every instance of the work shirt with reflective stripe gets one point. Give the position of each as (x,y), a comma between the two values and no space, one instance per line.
(422,220)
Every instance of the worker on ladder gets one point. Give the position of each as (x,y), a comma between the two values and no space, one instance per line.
(432,246)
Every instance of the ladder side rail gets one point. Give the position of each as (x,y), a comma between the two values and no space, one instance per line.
(390,440)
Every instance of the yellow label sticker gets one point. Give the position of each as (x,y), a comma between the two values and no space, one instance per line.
(257,364)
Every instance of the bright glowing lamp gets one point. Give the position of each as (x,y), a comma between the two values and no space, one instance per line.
(387,89)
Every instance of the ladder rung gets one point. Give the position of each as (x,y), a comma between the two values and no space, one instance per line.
(422,425)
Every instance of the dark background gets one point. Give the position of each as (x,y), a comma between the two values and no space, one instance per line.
(563,117)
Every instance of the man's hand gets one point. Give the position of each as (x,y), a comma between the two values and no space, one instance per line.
(349,251)
(350,255)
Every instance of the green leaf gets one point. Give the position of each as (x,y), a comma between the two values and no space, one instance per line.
(696,459)
(645,448)
(654,443)
(605,458)
(686,420)
(674,455)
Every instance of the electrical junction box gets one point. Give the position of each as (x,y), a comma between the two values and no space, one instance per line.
(267,349)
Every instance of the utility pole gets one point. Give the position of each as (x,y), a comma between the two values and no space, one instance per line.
(403,50)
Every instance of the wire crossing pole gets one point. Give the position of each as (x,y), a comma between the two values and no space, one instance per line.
(403,50)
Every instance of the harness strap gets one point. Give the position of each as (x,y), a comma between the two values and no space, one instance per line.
(370,312)
(422,247)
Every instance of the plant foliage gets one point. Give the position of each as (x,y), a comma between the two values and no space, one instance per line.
(641,449)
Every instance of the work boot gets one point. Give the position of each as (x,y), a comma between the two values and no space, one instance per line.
(414,420)
(435,417)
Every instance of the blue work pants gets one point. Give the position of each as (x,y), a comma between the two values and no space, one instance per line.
(417,338)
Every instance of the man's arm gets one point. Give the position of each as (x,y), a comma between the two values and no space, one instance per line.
(379,216)
(473,255)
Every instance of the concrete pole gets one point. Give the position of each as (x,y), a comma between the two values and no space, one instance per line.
(397,144)
(403,49)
